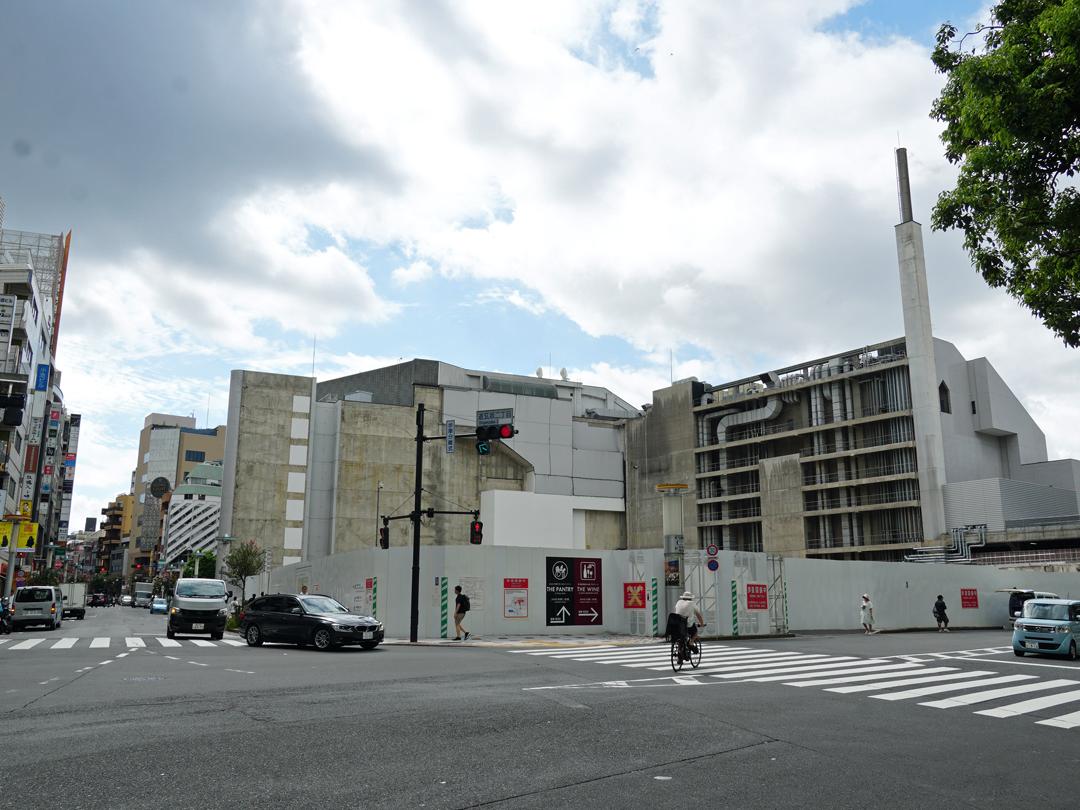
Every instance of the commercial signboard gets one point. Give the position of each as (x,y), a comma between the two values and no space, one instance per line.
(515,598)
(757,596)
(574,591)
(969,598)
(41,380)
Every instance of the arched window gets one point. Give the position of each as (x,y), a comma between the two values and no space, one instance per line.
(943,398)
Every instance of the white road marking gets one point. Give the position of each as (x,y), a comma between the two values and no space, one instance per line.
(871,687)
(135,642)
(994,694)
(63,643)
(1064,721)
(232,642)
(100,663)
(242,671)
(563,649)
(26,645)
(1037,664)
(1033,705)
(168,642)
(172,657)
(955,687)
(4,640)
(196,663)
(123,655)
(201,642)
(798,666)
(854,670)
(858,678)
(763,661)
(99,643)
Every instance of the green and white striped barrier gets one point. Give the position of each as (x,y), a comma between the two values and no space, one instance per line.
(443,605)
(655,610)
(734,608)
(375,597)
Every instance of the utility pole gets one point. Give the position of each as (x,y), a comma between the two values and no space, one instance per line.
(414,616)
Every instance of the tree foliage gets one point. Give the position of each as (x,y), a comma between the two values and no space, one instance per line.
(245,559)
(1011,109)
(207,564)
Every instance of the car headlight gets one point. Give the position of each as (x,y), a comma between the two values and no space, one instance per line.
(1018,626)
(1064,629)
(342,628)
(222,612)
(174,611)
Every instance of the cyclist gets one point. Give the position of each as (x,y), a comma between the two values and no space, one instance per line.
(688,609)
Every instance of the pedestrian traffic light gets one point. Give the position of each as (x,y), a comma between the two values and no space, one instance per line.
(384,537)
(476,532)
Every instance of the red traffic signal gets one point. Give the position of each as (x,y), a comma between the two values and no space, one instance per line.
(492,433)
(476,532)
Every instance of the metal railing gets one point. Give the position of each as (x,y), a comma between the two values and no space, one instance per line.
(760,429)
(831,478)
(858,444)
(878,539)
(862,500)
(1048,557)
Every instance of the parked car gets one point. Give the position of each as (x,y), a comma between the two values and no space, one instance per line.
(98,600)
(1048,627)
(38,604)
(1018,596)
(303,619)
(159,605)
(126,600)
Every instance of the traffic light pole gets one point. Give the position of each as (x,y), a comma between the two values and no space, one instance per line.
(414,616)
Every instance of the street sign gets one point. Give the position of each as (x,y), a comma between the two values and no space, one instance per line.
(494,417)
(712,550)
(633,595)
(450,430)
(713,564)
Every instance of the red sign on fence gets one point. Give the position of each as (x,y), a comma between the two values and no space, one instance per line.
(969,598)
(515,582)
(633,595)
(757,596)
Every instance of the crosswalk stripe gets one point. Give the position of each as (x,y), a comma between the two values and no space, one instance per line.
(1033,705)
(854,670)
(870,687)
(994,694)
(746,661)
(600,651)
(707,657)
(563,650)
(955,687)
(63,643)
(797,666)
(26,645)
(167,642)
(1071,720)
(201,642)
(131,641)
(4,641)
(232,642)
(100,643)
(862,678)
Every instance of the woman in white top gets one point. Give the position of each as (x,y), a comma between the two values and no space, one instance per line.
(866,614)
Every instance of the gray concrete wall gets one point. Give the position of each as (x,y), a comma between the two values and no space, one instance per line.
(392,385)
(783,530)
(999,412)
(1062,474)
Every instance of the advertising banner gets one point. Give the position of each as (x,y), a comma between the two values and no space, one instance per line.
(515,598)
(633,595)
(574,591)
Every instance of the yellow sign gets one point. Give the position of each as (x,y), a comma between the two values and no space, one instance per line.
(5,534)
(26,508)
(28,536)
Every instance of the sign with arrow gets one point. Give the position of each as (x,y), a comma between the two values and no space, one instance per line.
(574,591)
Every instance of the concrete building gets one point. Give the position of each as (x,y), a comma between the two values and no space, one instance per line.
(191,514)
(874,452)
(310,467)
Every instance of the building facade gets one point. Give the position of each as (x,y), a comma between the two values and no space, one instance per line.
(192,512)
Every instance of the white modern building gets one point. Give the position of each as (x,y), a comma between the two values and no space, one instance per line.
(191,514)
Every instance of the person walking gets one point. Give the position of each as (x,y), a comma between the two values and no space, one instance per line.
(461,607)
(866,614)
(940,614)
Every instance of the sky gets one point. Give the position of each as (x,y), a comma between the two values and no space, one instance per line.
(634,191)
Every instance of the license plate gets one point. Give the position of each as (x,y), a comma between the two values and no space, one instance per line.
(197,626)
(1031,645)
(368,635)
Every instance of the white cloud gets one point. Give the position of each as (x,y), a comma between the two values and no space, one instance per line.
(413,274)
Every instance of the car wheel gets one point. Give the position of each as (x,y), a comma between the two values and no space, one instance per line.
(369,645)
(1018,653)
(1072,651)
(322,639)
(170,633)
(253,636)
(216,636)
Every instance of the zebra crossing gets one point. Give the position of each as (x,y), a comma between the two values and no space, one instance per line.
(108,642)
(925,679)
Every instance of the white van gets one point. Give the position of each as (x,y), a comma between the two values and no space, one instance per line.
(38,604)
(198,606)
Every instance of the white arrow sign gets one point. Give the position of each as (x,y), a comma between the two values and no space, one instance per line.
(560,617)
(595,615)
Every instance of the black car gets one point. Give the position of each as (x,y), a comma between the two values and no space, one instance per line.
(307,619)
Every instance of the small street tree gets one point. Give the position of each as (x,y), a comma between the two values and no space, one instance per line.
(207,564)
(245,559)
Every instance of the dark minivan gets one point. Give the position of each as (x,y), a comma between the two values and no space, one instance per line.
(303,619)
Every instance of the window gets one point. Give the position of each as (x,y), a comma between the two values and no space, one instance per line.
(943,398)
(194,455)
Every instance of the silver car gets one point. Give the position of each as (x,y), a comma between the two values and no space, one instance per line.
(38,604)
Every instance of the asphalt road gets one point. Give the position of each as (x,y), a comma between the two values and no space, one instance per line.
(130,725)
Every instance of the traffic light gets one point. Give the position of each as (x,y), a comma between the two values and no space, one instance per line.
(486,434)
(101,570)
(476,532)
(136,566)
(384,537)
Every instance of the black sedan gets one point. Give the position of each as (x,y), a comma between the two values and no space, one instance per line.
(304,619)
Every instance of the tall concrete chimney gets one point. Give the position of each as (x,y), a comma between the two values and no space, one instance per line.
(922,368)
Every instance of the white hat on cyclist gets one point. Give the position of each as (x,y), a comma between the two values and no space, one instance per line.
(687,595)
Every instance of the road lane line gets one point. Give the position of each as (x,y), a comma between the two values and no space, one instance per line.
(123,655)
(134,642)
(202,642)
(994,694)
(870,687)
(863,678)
(63,643)
(196,663)
(172,657)
(955,687)
(168,642)
(100,643)
(1033,705)
(30,643)
(856,669)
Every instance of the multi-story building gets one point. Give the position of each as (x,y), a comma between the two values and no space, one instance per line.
(310,467)
(191,514)
(115,531)
(870,453)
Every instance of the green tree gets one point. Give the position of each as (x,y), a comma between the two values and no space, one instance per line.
(43,578)
(207,564)
(1011,109)
(245,559)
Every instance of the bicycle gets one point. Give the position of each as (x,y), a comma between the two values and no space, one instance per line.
(682,652)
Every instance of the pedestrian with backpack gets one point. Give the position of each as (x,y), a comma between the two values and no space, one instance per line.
(461,607)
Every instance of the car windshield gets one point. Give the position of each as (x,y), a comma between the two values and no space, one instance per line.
(1044,610)
(322,604)
(207,590)
(159,601)
(33,595)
